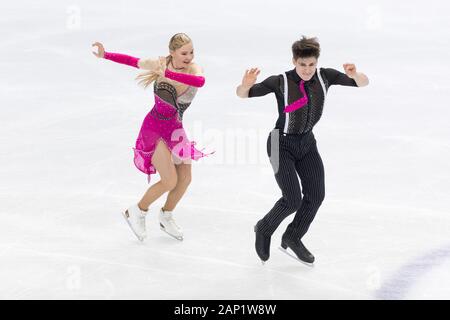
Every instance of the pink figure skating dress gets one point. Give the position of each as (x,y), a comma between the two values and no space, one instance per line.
(164,121)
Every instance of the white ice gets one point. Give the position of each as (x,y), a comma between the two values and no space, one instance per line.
(68,122)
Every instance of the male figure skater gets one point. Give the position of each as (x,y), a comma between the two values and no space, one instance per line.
(291,145)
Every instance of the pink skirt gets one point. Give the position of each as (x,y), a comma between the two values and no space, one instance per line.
(162,123)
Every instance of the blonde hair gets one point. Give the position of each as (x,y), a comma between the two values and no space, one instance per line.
(176,42)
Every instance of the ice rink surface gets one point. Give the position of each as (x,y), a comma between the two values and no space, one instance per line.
(68,122)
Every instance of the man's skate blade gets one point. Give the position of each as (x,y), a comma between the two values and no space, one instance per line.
(293,256)
(175,237)
(131,227)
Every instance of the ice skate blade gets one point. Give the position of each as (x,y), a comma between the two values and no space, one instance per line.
(263,262)
(177,238)
(293,256)
(131,227)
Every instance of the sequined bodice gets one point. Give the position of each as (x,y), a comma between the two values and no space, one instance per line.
(168,93)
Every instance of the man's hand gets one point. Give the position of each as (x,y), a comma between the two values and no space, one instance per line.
(248,81)
(250,77)
(359,77)
(350,70)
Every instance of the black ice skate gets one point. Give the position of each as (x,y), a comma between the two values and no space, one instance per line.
(300,252)
(262,245)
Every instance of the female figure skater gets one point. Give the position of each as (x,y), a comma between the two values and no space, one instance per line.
(291,146)
(162,144)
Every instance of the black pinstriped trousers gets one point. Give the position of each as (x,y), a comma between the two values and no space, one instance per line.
(297,154)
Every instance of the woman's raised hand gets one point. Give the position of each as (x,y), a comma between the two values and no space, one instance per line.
(100,50)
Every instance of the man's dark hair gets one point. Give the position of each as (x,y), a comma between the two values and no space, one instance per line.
(306,48)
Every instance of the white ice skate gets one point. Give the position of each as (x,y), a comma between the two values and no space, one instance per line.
(168,225)
(135,218)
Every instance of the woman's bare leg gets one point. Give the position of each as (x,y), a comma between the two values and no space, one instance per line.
(184,178)
(162,161)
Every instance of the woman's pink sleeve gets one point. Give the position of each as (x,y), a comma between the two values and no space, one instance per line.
(122,58)
(189,79)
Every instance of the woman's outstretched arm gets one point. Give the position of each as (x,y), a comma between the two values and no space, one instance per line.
(147,64)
